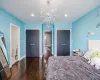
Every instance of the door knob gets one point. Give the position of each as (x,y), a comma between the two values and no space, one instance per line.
(32,44)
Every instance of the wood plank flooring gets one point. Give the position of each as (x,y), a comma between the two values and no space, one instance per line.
(28,69)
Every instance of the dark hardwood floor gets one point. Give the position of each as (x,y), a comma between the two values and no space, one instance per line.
(28,69)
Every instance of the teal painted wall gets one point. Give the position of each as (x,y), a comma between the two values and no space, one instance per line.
(79,30)
(5,20)
(82,26)
(60,25)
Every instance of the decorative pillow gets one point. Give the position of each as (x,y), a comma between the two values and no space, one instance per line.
(96,54)
(88,54)
(95,60)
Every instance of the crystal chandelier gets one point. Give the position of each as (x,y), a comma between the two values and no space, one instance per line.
(48,21)
(49,18)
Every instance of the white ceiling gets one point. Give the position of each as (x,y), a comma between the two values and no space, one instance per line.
(22,9)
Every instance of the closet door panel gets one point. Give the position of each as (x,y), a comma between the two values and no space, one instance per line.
(32,43)
(63,42)
(59,43)
(66,43)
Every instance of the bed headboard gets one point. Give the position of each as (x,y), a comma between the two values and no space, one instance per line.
(94,44)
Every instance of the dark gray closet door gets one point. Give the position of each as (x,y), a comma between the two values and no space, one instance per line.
(32,43)
(63,42)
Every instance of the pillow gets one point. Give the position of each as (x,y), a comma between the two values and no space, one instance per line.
(96,54)
(95,60)
(88,54)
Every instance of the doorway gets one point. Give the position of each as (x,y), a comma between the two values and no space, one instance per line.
(32,43)
(63,42)
(48,41)
(15,44)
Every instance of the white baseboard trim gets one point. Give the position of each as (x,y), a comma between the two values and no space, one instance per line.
(10,65)
(22,57)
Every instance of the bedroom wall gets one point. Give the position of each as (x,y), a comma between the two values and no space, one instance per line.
(5,20)
(59,25)
(82,26)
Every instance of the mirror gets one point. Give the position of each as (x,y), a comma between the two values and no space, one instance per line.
(4,56)
(3,51)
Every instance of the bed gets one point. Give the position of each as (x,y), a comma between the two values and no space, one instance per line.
(71,68)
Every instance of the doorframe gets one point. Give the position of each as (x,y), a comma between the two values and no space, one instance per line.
(11,44)
(51,39)
(56,39)
(39,39)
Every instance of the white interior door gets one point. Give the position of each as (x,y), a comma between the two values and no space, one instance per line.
(15,44)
